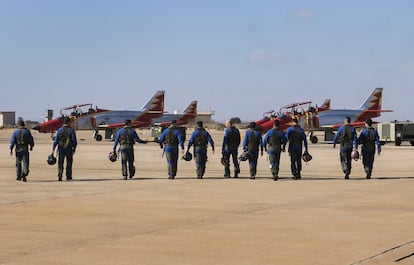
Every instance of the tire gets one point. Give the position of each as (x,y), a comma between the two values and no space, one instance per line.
(398,141)
(98,137)
(314,139)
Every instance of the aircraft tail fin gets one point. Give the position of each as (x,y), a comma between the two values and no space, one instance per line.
(156,104)
(374,100)
(191,108)
(189,113)
(326,104)
(371,108)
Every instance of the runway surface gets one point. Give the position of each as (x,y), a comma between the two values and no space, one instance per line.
(98,218)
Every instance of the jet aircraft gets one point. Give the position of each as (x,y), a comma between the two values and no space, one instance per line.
(190,113)
(85,117)
(112,120)
(81,114)
(323,118)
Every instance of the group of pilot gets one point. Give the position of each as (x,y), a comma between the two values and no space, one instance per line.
(172,142)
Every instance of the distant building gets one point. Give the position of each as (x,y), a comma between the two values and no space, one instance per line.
(7,118)
(205,116)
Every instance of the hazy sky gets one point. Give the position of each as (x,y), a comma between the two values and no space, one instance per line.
(239,58)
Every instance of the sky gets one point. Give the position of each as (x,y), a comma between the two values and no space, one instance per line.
(238,58)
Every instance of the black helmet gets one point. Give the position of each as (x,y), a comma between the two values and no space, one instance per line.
(244,156)
(112,156)
(306,156)
(51,159)
(224,161)
(187,156)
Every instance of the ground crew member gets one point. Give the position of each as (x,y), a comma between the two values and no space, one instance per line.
(295,135)
(251,143)
(231,142)
(274,142)
(22,139)
(127,137)
(170,139)
(200,139)
(347,137)
(369,138)
(66,142)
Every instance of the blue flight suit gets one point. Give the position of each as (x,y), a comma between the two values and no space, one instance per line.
(200,139)
(231,143)
(369,138)
(274,143)
(66,141)
(170,139)
(347,137)
(126,137)
(251,143)
(295,136)
(22,139)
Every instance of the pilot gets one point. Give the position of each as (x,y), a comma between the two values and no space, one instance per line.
(251,143)
(369,138)
(127,137)
(22,139)
(274,143)
(231,143)
(295,135)
(66,142)
(170,139)
(347,137)
(200,139)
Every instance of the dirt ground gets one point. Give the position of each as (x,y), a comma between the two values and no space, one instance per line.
(98,218)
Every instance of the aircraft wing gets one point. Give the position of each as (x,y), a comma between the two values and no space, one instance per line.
(134,124)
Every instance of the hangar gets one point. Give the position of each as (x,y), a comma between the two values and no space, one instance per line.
(7,118)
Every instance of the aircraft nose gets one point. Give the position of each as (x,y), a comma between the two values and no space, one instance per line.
(37,128)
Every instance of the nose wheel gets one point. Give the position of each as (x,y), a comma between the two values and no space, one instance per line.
(97,136)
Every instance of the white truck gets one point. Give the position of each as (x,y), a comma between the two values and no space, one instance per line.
(396,131)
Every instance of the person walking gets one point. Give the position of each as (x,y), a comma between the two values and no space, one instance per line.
(200,139)
(231,143)
(251,144)
(347,137)
(66,142)
(369,138)
(22,141)
(274,143)
(126,138)
(295,135)
(170,139)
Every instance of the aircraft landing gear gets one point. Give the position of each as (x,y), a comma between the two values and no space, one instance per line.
(97,136)
(313,138)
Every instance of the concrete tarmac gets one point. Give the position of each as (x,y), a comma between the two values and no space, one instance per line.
(99,218)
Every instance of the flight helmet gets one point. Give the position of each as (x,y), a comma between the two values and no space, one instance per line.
(244,156)
(112,156)
(355,155)
(224,161)
(51,159)
(306,156)
(187,156)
